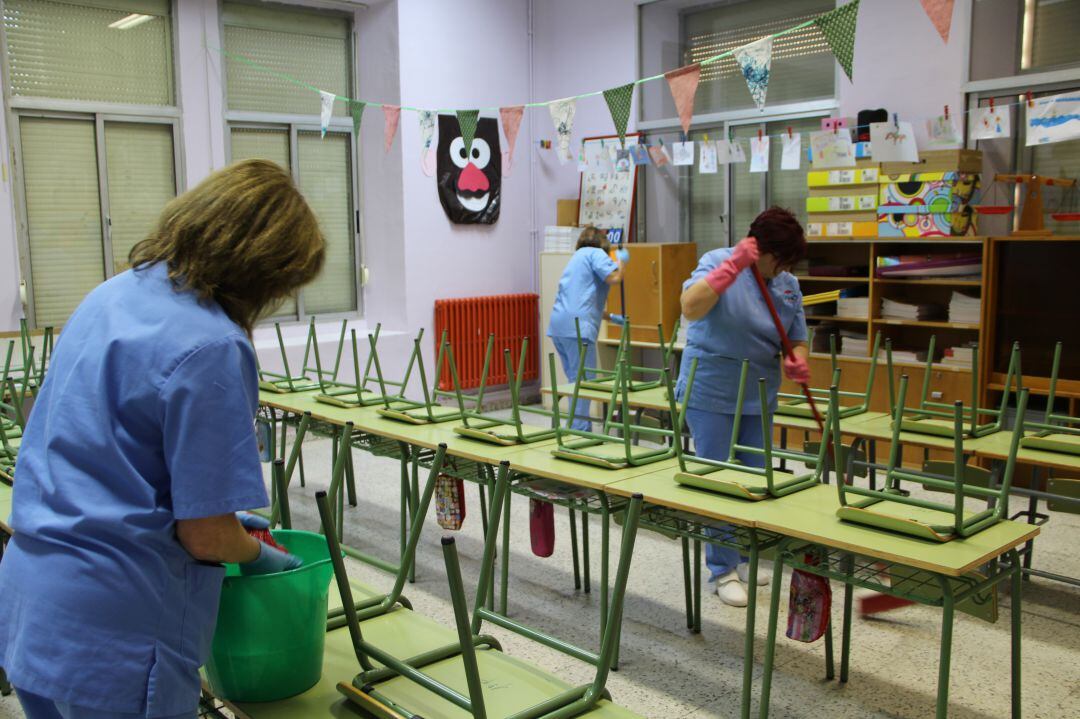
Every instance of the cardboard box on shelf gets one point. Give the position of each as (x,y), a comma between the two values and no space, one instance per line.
(865,172)
(846,228)
(938,161)
(842,202)
(566,212)
(926,224)
(947,195)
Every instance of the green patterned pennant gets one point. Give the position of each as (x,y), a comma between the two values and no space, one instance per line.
(467,120)
(838,27)
(618,101)
(356,109)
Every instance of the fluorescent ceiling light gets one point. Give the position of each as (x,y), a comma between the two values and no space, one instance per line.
(126,23)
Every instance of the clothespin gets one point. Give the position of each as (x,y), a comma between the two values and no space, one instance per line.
(991,104)
(685,138)
(1030,99)
(896,121)
(789,135)
(706,137)
(759,135)
(946,112)
(731,133)
(661,141)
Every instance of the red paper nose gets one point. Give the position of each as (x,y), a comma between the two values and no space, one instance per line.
(472,180)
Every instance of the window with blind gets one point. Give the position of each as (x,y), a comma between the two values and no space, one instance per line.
(1010,37)
(802,68)
(91,182)
(276,120)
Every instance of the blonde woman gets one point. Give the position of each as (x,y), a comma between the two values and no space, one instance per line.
(139,452)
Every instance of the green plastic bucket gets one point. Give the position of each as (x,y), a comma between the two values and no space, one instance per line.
(268,644)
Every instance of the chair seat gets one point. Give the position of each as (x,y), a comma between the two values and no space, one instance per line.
(604,385)
(932,524)
(941,427)
(799,407)
(1053,442)
(739,483)
(420,415)
(504,434)
(611,455)
(344,397)
(281,386)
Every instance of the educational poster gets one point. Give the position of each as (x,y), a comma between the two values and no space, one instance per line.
(893,142)
(1054,119)
(707,159)
(469,180)
(989,123)
(759,154)
(942,133)
(607,195)
(791,157)
(833,148)
(682,153)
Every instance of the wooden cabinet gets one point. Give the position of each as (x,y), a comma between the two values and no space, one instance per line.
(652,282)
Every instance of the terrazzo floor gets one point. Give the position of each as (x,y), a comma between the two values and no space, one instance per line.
(667,672)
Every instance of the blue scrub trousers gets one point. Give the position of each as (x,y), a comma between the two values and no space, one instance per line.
(38,707)
(568,350)
(712,439)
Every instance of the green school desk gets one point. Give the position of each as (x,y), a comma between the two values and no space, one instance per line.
(936,574)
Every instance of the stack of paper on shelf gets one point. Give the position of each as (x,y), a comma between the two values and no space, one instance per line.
(965,309)
(855,307)
(893,310)
(959,356)
(854,344)
(899,355)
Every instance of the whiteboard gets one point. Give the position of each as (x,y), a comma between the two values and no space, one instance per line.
(607,196)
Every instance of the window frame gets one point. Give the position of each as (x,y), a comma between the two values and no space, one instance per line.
(99,112)
(294,123)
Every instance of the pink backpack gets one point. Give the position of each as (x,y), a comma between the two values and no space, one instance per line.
(809,606)
(449,502)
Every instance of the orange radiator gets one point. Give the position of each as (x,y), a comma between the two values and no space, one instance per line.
(469,321)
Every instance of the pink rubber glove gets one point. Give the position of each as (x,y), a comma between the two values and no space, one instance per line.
(745,254)
(796,369)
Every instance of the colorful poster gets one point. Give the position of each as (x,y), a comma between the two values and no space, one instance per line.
(832,148)
(607,195)
(989,123)
(707,161)
(469,181)
(682,153)
(1054,119)
(759,154)
(791,157)
(893,142)
(942,133)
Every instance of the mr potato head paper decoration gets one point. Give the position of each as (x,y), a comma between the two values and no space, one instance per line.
(469,179)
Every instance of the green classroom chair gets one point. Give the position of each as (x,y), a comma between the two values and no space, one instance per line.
(496,430)
(13,397)
(893,509)
(602,379)
(462,672)
(605,448)
(427,411)
(339,393)
(796,405)
(287,382)
(736,479)
(1056,432)
(936,418)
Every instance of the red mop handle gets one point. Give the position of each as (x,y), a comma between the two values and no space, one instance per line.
(785,343)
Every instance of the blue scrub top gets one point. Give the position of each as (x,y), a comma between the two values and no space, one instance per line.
(582,293)
(739,327)
(146,416)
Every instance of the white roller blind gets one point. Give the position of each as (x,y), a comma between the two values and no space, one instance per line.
(707,203)
(326,181)
(67,50)
(141,179)
(246,143)
(802,65)
(310,47)
(1054,34)
(63,214)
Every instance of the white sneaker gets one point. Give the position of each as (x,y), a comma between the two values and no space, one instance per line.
(730,590)
(764,575)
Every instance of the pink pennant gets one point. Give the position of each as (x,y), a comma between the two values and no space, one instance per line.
(511,121)
(683,83)
(392,113)
(940,12)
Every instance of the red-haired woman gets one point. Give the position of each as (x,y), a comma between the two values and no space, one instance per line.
(729,322)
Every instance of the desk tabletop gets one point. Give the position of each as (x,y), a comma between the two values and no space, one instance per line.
(996,446)
(655,398)
(540,462)
(5,507)
(811,515)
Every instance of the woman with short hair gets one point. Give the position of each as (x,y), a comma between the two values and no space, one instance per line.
(140,450)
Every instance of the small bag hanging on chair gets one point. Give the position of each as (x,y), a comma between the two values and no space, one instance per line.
(449,502)
(809,606)
(542,527)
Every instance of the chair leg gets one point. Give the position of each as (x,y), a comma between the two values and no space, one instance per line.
(587,568)
(574,549)
(770,636)
(687,584)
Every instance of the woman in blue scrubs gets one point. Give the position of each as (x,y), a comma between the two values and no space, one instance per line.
(140,449)
(582,294)
(729,322)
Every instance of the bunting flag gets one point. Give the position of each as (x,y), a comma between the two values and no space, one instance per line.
(326,109)
(618,102)
(356,109)
(940,12)
(562,116)
(755,59)
(427,120)
(511,121)
(467,120)
(683,84)
(391,115)
(838,27)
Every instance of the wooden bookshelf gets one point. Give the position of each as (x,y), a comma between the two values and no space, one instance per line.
(942,281)
(925,323)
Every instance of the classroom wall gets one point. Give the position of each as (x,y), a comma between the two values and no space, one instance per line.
(10,306)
